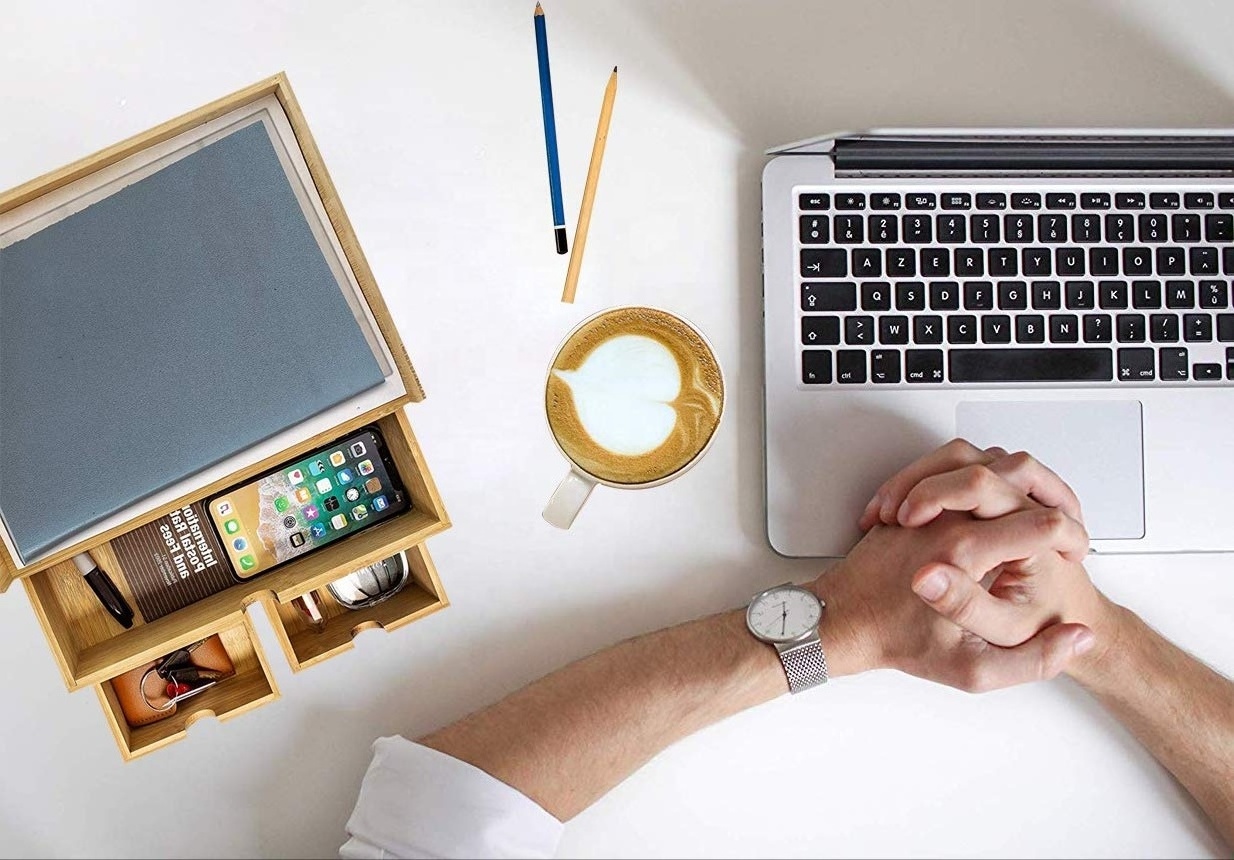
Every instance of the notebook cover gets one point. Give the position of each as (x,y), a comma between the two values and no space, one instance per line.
(167,327)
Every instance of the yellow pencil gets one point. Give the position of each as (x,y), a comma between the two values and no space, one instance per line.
(589,191)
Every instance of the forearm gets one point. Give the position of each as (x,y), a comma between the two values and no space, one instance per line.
(567,739)
(1179,709)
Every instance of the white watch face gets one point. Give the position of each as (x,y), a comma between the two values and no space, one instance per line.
(784,614)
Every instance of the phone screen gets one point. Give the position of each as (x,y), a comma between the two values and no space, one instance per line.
(301,506)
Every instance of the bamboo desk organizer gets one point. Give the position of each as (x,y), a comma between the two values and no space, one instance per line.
(90,648)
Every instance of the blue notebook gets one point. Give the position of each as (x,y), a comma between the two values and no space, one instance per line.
(167,327)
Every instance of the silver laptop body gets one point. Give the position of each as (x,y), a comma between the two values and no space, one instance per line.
(1083,313)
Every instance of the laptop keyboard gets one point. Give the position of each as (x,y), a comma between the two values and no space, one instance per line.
(933,287)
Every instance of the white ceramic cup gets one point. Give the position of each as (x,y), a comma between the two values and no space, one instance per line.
(575,488)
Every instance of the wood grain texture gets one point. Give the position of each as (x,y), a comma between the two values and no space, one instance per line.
(280,87)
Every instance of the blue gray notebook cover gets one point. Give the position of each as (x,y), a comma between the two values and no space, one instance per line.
(158,331)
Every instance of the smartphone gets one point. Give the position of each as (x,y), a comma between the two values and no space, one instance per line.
(341,489)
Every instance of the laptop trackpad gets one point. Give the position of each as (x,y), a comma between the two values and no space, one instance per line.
(1095,446)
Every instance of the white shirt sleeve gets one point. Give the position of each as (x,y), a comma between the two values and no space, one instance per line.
(418,802)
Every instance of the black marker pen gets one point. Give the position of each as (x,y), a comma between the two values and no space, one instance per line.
(104,589)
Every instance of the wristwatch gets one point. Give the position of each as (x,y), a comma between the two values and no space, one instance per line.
(787,617)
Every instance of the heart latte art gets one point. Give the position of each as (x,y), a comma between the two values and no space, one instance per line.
(634,395)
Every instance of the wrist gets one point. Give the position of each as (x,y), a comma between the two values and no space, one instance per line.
(848,631)
(1111,625)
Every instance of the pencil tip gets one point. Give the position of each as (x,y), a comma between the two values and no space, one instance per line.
(539,9)
(614,70)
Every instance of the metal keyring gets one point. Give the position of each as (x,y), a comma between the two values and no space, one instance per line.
(174,699)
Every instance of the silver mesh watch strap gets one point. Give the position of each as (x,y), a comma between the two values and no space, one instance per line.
(805,666)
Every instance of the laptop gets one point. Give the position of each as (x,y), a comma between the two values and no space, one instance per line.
(1062,292)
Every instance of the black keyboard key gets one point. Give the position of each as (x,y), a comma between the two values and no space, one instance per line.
(1198,200)
(927,329)
(1047,296)
(1064,328)
(1025,200)
(1060,200)
(1138,261)
(1119,228)
(978,296)
(1086,228)
(1136,365)
(1173,364)
(1206,372)
(1214,294)
(1227,261)
(996,328)
(820,331)
(944,296)
(1170,261)
(992,200)
(1153,227)
(1131,328)
(1229,363)
(1018,228)
(1203,261)
(910,296)
(851,366)
(876,296)
(1225,328)
(1197,328)
(1103,261)
(1163,328)
(951,229)
(1098,328)
(1179,294)
(1069,261)
(885,366)
(1048,364)
(1164,200)
(849,229)
(1036,261)
(969,262)
(884,200)
(816,366)
(893,330)
(1186,227)
(1012,296)
(1095,200)
(814,201)
(901,263)
(918,229)
(883,229)
(935,262)
(850,201)
(1146,294)
(867,263)
(838,296)
(923,365)
(1030,328)
(983,228)
(961,329)
(1052,228)
(1080,295)
(823,263)
(1131,200)
(1219,228)
(957,200)
(859,331)
(1003,261)
(921,200)
(1112,294)
(1225,200)
(814,230)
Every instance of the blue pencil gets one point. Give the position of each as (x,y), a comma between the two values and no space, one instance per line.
(550,133)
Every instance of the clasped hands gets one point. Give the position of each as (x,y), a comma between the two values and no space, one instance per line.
(970,574)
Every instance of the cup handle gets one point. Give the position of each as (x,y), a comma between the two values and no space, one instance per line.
(568,499)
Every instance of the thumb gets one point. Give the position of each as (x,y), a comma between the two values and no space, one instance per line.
(1039,659)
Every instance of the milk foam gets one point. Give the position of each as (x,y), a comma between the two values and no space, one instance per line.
(623,394)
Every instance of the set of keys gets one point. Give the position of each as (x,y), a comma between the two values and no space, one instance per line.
(184,680)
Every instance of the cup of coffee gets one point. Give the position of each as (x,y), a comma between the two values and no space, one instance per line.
(633,399)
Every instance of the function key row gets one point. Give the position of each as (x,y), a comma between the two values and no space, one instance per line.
(842,296)
(912,229)
(814,201)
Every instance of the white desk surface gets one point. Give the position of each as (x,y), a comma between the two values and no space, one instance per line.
(428,116)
